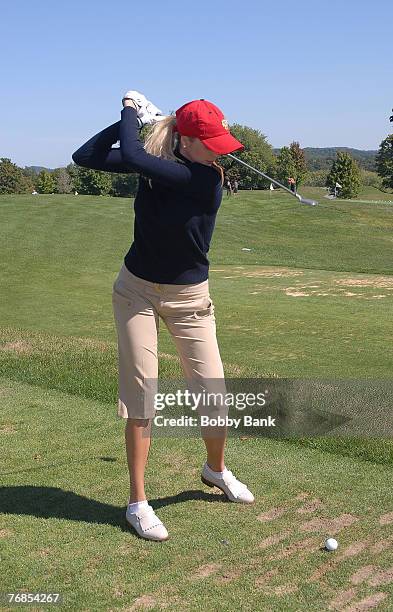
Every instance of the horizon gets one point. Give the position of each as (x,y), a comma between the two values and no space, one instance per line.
(274,148)
(293,75)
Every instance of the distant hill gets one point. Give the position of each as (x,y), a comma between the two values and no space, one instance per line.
(316,158)
(37,169)
(322,159)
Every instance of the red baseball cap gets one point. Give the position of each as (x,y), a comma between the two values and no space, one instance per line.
(204,120)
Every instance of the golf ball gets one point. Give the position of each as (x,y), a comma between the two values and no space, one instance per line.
(331,544)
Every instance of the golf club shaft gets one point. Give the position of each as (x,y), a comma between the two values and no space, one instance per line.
(264,175)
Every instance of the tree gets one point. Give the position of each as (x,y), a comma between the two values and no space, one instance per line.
(370,179)
(124,185)
(92,182)
(63,182)
(344,171)
(257,152)
(72,170)
(384,161)
(32,175)
(12,178)
(285,166)
(299,160)
(45,182)
(316,178)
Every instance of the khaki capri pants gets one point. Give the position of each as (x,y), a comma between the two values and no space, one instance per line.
(188,313)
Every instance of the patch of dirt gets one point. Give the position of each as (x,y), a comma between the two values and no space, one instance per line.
(310,506)
(204,571)
(7,428)
(381,545)
(353,549)
(273,539)
(273,272)
(342,598)
(261,581)
(145,602)
(168,356)
(302,496)
(18,347)
(129,549)
(94,562)
(322,570)
(382,577)
(302,546)
(330,526)
(309,287)
(285,589)
(228,576)
(5,533)
(377,282)
(386,519)
(362,574)
(296,293)
(367,603)
(271,514)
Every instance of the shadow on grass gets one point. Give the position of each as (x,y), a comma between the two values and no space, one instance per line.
(52,502)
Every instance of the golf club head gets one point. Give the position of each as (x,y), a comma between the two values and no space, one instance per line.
(306,201)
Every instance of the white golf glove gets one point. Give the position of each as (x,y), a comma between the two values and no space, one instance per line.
(147,112)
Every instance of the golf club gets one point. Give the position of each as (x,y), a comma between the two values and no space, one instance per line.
(296,195)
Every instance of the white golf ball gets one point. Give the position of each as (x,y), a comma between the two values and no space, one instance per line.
(331,544)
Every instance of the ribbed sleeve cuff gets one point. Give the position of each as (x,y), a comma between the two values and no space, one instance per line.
(129,111)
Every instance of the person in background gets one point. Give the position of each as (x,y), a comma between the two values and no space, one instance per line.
(292,184)
(228,186)
(235,186)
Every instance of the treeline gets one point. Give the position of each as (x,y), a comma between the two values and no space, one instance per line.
(289,162)
(322,158)
(70,179)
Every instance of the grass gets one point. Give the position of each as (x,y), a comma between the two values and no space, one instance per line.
(311,299)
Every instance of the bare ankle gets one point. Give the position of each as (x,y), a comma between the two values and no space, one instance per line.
(136,498)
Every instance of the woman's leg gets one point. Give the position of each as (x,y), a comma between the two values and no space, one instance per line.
(194,334)
(215,448)
(137,436)
(137,325)
(192,325)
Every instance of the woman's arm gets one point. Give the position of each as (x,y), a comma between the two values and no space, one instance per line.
(97,153)
(195,177)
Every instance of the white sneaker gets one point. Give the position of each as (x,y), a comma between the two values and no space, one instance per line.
(234,490)
(147,524)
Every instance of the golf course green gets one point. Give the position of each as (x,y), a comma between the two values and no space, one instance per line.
(299,292)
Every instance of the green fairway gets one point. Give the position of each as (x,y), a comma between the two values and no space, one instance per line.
(311,298)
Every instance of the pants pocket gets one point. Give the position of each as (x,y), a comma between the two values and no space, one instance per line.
(121,295)
(207,309)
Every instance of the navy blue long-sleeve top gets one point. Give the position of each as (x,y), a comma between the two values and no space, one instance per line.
(175,212)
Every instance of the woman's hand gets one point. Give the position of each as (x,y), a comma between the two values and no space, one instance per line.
(128,102)
(147,112)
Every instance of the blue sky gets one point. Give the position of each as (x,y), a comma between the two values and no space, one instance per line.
(317,72)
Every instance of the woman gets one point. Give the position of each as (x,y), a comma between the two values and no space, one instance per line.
(165,272)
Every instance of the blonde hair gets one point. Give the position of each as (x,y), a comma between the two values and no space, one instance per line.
(162,141)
